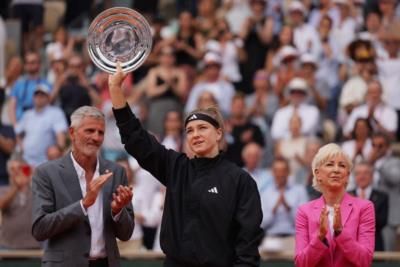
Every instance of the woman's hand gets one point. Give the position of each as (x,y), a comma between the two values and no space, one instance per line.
(115,80)
(337,220)
(323,224)
(115,87)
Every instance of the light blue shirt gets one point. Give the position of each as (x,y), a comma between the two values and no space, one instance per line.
(23,92)
(40,129)
(282,222)
(263,178)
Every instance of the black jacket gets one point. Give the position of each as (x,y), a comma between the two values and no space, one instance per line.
(381,205)
(212,211)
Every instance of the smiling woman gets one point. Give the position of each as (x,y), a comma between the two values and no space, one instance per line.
(336,226)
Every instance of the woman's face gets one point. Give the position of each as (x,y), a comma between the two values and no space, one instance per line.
(185,20)
(61,35)
(167,59)
(173,122)
(286,35)
(325,26)
(203,138)
(373,22)
(361,129)
(333,174)
(206,99)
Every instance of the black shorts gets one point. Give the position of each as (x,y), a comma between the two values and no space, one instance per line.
(30,15)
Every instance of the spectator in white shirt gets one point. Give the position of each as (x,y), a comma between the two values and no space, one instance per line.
(221,89)
(344,32)
(305,36)
(389,69)
(325,8)
(382,117)
(359,146)
(309,114)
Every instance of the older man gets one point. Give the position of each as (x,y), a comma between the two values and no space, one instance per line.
(279,204)
(81,203)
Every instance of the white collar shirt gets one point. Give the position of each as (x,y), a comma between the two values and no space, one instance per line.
(367,192)
(94,213)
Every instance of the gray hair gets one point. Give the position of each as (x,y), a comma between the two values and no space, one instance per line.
(325,153)
(85,111)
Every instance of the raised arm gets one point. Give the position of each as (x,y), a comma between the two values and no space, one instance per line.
(144,147)
(118,99)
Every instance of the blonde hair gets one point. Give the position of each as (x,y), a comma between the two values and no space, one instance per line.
(325,153)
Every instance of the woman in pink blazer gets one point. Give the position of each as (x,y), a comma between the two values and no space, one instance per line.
(336,230)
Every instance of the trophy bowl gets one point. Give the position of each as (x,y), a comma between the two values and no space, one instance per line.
(119,34)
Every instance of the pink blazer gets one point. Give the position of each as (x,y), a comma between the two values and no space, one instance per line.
(353,247)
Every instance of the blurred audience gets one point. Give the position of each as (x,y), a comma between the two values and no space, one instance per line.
(241,130)
(21,98)
(166,89)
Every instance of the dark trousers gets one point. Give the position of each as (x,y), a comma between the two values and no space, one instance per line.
(98,263)
(149,234)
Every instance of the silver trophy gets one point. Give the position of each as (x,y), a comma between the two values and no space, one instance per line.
(119,34)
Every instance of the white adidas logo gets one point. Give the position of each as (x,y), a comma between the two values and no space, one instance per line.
(192,117)
(213,190)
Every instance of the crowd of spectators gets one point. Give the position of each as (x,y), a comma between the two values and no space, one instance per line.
(288,76)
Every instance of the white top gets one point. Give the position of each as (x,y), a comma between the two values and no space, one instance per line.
(230,59)
(316,15)
(386,116)
(353,91)
(367,191)
(343,34)
(307,40)
(237,14)
(222,90)
(349,148)
(309,115)
(112,138)
(146,187)
(330,218)
(389,75)
(94,213)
